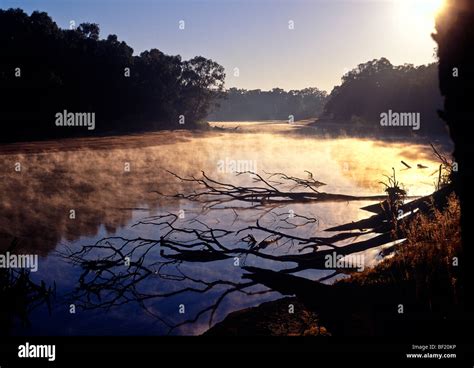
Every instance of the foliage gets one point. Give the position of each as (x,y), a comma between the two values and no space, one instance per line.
(277,104)
(377,86)
(427,257)
(77,71)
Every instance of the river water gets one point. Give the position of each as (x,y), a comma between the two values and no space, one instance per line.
(59,196)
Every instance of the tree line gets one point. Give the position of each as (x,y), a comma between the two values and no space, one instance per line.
(367,93)
(45,70)
(276,104)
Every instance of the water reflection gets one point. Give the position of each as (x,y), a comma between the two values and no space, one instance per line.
(36,201)
(91,176)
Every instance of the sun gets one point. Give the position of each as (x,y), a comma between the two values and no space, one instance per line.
(417,16)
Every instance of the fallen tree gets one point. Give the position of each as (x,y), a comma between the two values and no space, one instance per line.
(283,240)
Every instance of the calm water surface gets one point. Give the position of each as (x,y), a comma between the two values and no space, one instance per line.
(91,177)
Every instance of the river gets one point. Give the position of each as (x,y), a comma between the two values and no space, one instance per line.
(60,195)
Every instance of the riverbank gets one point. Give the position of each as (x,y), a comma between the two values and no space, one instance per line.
(271,319)
(428,259)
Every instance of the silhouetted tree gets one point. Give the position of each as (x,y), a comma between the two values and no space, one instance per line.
(455,38)
(45,70)
(202,82)
(241,104)
(377,86)
(90,30)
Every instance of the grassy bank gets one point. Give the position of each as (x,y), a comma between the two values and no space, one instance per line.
(427,259)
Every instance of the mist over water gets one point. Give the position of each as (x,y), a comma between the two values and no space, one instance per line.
(91,177)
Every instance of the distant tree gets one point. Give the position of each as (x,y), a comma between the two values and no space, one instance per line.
(241,104)
(202,83)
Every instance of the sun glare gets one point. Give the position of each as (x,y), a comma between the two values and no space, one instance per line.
(417,16)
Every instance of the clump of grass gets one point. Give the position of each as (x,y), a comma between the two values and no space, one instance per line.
(394,190)
(395,196)
(428,257)
(445,171)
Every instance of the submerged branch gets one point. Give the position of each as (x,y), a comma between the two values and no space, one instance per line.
(115,268)
(214,193)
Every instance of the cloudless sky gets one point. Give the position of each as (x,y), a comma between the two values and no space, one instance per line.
(329,36)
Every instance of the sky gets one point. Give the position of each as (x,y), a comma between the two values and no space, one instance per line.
(290,44)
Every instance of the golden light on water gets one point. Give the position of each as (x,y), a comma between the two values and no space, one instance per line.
(92,176)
